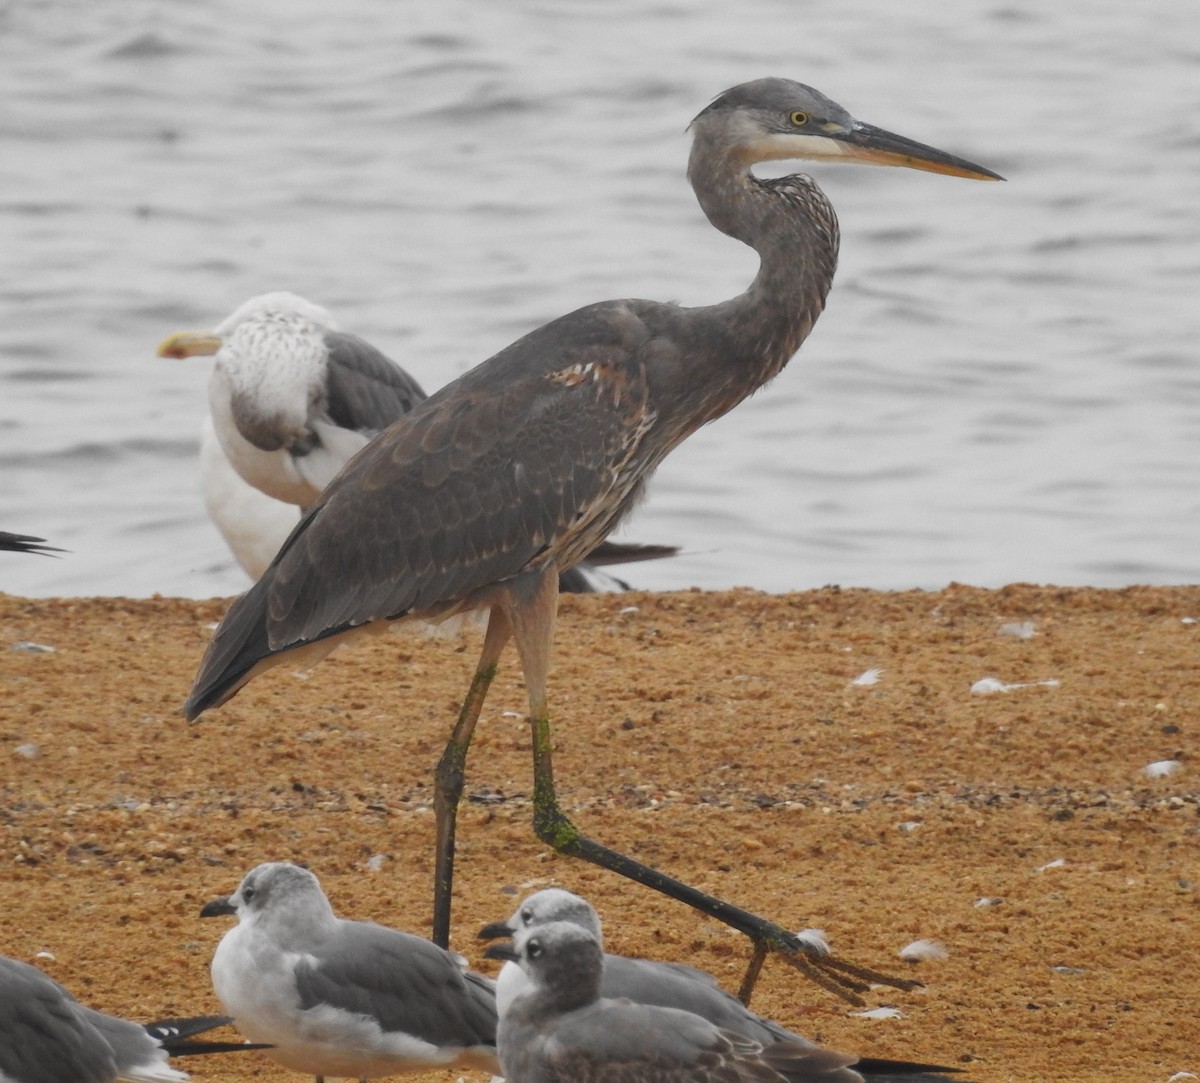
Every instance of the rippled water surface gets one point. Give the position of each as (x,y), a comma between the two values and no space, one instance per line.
(1004,386)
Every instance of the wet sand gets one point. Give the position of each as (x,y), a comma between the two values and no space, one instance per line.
(717,736)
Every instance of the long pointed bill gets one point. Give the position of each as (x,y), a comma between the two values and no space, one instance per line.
(189,344)
(866,143)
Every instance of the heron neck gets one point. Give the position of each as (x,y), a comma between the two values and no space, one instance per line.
(793,228)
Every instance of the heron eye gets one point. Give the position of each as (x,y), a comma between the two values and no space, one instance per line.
(799,118)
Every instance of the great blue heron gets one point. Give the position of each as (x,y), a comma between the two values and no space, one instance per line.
(291,399)
(477,498)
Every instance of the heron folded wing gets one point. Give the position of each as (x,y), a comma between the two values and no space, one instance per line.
(502,469)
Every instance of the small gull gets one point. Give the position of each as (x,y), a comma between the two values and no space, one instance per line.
(292,398)
(665,985)
(559,1029)
(47,1036)
(340,998)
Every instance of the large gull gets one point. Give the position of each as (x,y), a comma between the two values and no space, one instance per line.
(339,998)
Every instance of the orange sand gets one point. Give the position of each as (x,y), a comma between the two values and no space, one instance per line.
(717,736)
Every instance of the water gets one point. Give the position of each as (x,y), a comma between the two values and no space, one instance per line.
(1004,386)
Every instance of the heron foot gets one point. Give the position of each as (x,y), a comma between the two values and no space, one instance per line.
(844,979)
(838,976)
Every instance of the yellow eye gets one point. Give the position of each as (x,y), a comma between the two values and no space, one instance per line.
(799,118)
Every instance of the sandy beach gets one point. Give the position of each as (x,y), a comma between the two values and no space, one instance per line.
(728,738)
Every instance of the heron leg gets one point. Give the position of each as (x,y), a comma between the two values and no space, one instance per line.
(450,775)
(532,618)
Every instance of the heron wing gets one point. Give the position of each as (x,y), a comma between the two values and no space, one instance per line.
(365,390)
(499,468)
(529,457)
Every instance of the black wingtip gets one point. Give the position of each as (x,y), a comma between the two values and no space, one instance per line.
(199,1049)
(175,1036)
(883,1070)
(27,543)
(168,1031)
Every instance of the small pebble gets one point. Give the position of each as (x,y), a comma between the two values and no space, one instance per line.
(29,750)
(1161,768)
(29,647)
(985,686)
(868,677)
(880,1013)
(924,951)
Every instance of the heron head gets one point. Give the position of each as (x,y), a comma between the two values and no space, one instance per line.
(770,119)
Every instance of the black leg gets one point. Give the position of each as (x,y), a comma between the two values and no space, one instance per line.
(451,773)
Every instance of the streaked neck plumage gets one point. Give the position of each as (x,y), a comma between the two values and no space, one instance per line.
(793,228)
